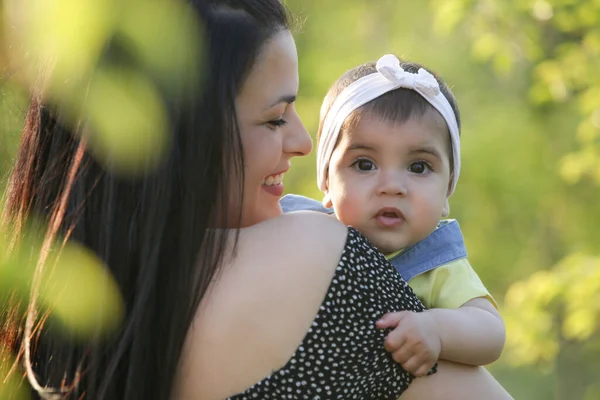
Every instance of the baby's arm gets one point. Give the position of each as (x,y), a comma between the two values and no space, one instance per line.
(472,334)
(464,313)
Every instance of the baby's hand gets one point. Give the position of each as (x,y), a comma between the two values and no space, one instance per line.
(414,343)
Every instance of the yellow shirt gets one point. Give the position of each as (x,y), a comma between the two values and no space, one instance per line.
(449,286)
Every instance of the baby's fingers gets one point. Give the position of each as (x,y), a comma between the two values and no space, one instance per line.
(390,320)
(403,355)
(416,366)
(424,369)
(395,340)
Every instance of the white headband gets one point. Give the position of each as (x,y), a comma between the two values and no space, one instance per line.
(389,76)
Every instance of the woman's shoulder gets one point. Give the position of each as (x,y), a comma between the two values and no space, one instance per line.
(301,238)
(263,302)
(299,222)
(284,293)
(293,249)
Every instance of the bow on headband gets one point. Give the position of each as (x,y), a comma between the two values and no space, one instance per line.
(389,67)
(389,76)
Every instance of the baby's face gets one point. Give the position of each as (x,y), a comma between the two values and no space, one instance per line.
(391,181)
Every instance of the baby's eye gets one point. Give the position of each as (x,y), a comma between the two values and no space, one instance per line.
(364,165)
(419,167)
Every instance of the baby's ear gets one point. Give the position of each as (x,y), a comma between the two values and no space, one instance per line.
(327,201)
(446,209)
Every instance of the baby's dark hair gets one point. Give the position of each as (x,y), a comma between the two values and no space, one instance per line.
(396,106)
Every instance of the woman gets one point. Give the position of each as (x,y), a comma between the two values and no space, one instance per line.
(211,312)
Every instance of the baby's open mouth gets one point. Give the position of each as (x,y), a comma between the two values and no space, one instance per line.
(389,217)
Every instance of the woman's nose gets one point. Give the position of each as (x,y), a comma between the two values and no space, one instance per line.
(297,141)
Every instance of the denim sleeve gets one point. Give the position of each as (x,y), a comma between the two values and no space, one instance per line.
(294,202)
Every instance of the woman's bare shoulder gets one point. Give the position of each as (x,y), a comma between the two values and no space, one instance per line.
(298,222)
(304,236)
(297,247)
(262,304)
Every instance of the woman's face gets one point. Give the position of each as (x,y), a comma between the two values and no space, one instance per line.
(271,130)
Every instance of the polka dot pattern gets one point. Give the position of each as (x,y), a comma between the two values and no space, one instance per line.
(342,354)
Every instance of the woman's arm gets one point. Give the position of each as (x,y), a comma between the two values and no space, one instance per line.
(456,382)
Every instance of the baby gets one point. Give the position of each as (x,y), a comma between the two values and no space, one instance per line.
(388,160)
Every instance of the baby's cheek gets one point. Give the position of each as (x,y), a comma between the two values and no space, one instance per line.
(426,217)
(349,210)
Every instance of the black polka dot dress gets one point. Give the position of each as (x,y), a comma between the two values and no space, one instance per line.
(342,354)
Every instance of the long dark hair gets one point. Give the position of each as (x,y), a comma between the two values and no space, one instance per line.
(153,232)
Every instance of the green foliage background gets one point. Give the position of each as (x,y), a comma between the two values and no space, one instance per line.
(526,75)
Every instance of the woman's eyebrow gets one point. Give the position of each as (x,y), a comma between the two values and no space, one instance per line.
(289,99)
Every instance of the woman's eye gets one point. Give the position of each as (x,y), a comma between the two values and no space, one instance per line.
(419,167)
(277,122)
(364,165)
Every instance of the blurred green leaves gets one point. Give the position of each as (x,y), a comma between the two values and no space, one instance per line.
(528,91)
(12,387)
(69,34)
(166,38)
(557,40)
(553,314)
(136,133)
(109,68)
(550,306)
(108,65)
(73,287)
